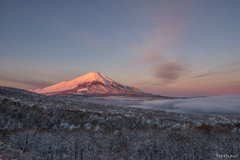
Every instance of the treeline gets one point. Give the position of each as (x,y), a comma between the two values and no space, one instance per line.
(15,115)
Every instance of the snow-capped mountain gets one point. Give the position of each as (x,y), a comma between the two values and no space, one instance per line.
(91,83)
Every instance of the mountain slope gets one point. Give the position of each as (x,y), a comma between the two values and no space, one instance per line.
(91,83)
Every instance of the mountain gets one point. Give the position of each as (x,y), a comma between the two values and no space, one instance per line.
(93,83)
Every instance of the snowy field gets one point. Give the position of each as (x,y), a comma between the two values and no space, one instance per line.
(34,126)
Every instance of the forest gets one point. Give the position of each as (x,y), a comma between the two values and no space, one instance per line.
(34,126)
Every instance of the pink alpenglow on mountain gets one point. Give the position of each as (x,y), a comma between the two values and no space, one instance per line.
(93,83)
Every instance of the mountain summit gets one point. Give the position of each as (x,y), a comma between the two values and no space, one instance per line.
(92,83)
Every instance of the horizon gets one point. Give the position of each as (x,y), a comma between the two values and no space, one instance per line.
(169,48)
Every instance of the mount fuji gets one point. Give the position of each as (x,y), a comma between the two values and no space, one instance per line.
(93,83)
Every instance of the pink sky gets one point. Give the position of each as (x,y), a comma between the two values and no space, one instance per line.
(185,48)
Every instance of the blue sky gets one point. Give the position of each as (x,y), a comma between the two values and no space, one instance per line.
(163,47)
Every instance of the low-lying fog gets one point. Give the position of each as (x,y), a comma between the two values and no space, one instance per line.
(214,105)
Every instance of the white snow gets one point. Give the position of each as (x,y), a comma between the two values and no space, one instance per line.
(87,78)
(83,89)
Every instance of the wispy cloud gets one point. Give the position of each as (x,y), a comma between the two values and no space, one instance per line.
(233,84)
(160,50)
(224,69)
(169,71)
(151,57)
(205,74)
(31,83)
(26,78)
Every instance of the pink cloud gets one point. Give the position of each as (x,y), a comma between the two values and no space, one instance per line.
(160,51)
(169,71)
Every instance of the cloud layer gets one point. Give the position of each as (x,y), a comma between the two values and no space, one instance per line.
(214,105)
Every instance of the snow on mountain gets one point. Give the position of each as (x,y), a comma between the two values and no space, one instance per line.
(91,83)
(67,85)
(83,89)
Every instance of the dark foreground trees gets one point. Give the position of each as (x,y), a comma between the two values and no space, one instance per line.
(124,144)
(56,130)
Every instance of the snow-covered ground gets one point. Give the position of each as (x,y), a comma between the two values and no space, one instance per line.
(86,127)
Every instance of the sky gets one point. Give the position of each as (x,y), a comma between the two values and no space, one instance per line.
(166,47)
